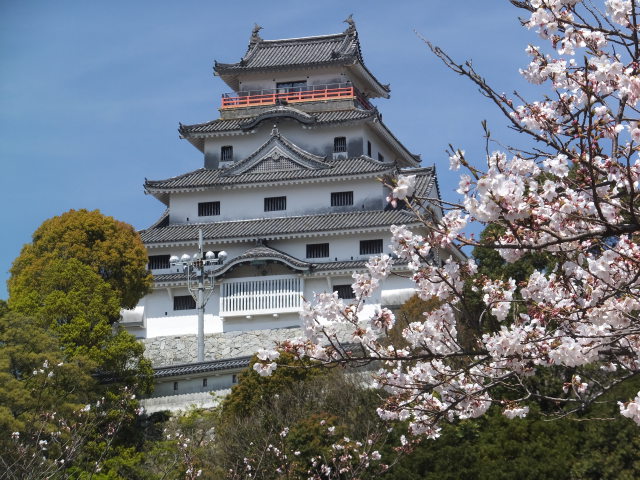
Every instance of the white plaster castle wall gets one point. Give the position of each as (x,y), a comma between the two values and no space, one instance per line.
(165,387)
(316,141)
(162,320)
(248,203)
(267,81)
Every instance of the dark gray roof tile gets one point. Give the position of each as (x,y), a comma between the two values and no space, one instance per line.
(321,118)
(276,227)
(204,177)
(269,54)
(201,367)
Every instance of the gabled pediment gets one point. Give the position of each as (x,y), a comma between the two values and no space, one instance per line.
(277,153)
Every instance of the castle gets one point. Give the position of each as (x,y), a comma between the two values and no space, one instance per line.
(290,190)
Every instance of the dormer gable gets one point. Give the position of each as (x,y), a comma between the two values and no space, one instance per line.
(276,154)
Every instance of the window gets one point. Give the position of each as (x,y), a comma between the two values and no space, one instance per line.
(317,250)
(208,209)
(340,199)
(271,204)
(368,149)
(157,262)
(184,302)
(370,247)
(226,153)
(175,385)
(339,144)
(286,87)
(380,157)
(344,291)
(234,378)
(204,382)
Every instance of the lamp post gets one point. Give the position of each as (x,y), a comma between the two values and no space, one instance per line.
(200,281)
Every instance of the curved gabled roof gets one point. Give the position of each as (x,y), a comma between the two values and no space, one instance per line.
(221,125)
(278,147)
(264,252)
(341,49)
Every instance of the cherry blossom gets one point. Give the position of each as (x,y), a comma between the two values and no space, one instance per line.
(572,195)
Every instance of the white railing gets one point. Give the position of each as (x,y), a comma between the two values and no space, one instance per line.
(261,296)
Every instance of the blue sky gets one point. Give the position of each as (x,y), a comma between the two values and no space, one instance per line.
(91,93)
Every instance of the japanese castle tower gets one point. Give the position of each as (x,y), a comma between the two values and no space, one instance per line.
(290,189)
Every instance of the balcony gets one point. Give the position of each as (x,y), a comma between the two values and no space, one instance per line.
(260,297)
(314,93)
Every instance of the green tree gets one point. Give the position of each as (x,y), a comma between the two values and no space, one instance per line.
(111,248)
(62,350)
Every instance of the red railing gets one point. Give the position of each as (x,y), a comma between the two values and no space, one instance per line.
(294,95)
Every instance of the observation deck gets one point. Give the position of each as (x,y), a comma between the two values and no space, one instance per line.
(313,93)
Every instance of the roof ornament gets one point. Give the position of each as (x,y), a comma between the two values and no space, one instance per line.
(274,131)
(255,36)
(352,24)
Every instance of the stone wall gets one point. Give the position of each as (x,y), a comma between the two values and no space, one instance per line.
(176,350)
(165,351)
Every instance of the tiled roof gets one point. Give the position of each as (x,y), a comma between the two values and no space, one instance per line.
(266,228)
(319,118)
(263,252)
(201,367)
(204,177)
(268,55)
(348,265)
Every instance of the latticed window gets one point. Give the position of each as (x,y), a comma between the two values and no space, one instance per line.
(317,250)
(370,247)
(184,302)
(157,262)
(272,204)
(339,144)
(226,153)
(344,291)
(368,148)
(340,199)
(380,157)
(208,209)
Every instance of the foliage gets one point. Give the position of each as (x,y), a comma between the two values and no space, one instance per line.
(111,249)
(80,270)
(253,390)
(69,372)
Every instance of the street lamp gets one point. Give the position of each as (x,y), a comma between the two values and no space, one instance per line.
(200,281)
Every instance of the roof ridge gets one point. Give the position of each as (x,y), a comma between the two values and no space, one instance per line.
(303,39)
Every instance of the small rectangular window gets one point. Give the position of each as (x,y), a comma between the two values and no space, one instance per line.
(208,209)
(234,378)
(184,302)
(157,262)
(175,386)
(368,149)
(272,204)
(317,250)
(286,87)
(344,291)
(339,144)
(340,199)
(204,382)
(380,157)
(226,153)
(370,247)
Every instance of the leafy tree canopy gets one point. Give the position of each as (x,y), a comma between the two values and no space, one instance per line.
(112,249)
